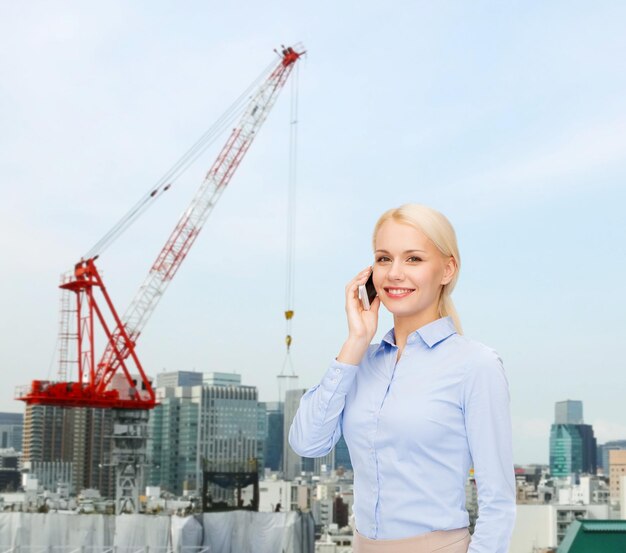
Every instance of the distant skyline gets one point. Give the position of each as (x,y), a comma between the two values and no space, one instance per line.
(509,118)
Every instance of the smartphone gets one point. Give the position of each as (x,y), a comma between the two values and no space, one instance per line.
(367,292)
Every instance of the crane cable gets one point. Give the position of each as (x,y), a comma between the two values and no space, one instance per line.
(188,158)
(291,215)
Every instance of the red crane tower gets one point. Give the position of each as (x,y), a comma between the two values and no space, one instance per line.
(118,380)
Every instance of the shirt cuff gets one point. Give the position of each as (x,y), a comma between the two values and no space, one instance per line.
(339,377)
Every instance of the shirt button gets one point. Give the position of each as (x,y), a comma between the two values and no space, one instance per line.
(337,370)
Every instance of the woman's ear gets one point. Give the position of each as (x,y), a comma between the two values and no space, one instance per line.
(449,271)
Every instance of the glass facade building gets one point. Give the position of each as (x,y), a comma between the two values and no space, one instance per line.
(573,446)
(566,450)
(342,455)
(11,430)
(568,412)
(275,419)
(293,464)
(173,441)
(218,421)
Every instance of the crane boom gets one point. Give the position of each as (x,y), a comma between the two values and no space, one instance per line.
(191,222)
(96,386)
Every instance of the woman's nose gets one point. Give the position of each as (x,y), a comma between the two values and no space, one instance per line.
(395,271)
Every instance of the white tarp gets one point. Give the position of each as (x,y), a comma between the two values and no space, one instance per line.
(133,531)
(55,529)
(228,532)
(250,532)
(186,533)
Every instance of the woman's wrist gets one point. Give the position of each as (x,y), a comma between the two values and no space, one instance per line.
(353,351)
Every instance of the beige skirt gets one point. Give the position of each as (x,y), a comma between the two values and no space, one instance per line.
(442,541)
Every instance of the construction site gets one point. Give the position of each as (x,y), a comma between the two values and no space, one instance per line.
(86,432)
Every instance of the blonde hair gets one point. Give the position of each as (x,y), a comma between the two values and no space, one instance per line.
(439,230)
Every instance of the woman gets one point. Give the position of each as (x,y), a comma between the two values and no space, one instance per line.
(418,409)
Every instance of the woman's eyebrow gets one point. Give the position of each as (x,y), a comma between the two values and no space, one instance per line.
(406,251)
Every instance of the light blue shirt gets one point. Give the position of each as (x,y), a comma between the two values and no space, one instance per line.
(414,428)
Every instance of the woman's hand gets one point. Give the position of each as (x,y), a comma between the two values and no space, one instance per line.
(362,324)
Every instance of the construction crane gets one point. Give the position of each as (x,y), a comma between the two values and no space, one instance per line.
(118,380)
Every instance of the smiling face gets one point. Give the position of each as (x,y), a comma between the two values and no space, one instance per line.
(409,273)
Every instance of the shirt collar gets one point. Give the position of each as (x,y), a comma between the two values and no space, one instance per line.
(431,334)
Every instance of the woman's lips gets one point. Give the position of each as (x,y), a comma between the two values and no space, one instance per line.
(398,293)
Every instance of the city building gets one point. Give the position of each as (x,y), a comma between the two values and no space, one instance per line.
(584,536)
(80,436)
(573,447)
(9,470)
(275,421)
(173,440)
(617,469)
(342,455)
(603,453)
(174,379)
(540,527)
(568,412)
(11,430)
(215,424)
(566,455)
(590,490)
(293,464)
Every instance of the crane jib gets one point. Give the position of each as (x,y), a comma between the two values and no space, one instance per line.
(118,379)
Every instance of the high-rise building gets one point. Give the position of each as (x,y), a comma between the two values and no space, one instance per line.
(617,469)
(80,436)
(9,470)
(603,453)
(11,430)
(342,455)
(275,418)
(173,440)
(216,423)
(293,464)
(590,447)
(573,447)
(566,450)
(568,412)
(178,378)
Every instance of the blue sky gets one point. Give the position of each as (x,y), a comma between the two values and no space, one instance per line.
(508,117)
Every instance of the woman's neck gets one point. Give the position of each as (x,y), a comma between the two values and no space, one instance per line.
(404,326)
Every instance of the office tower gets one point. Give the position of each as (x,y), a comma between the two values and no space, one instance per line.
(9,470)
(603,453)
(80,436)
(573,447)
(590,446)
(173,440)
(229,429)
(342,455)
(568,412)
(275,418)
(617,469)
(291,461)
(215,423)
(293,464)
(566,450)
(11,430)
(178,378)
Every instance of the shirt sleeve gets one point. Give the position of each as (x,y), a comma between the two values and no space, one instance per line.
(316,428)
(488,426)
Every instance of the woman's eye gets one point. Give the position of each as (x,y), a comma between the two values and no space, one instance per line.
(414,259)
(382,259)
